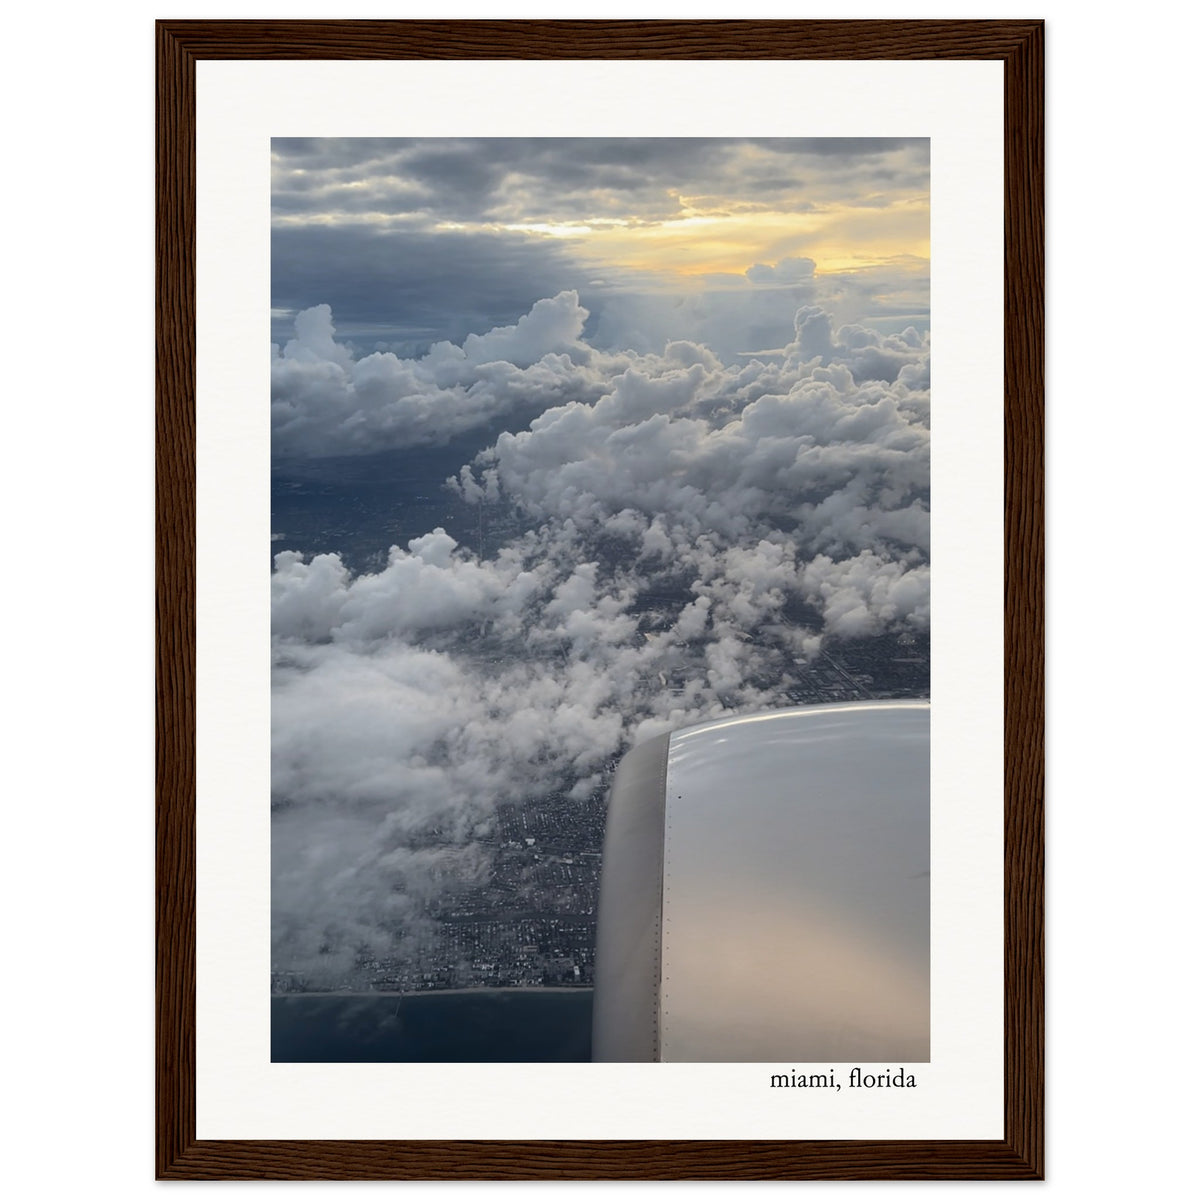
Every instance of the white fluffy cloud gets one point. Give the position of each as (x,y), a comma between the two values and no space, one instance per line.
(686,534)
(326,401)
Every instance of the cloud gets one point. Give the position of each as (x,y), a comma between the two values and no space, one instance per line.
(415,241)
(403,290)
(407,287)
(328,400)
(786,271)
(683,534)
(324,400)
(537,179)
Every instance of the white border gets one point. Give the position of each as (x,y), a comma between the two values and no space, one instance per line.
(240,1094)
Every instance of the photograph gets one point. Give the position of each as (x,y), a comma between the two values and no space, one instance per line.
(600,586)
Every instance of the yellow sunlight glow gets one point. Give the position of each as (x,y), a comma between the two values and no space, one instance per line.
(698,244)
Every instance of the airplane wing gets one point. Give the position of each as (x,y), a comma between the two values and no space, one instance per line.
(765,891)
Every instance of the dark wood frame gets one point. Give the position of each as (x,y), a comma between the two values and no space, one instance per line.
(179,1155)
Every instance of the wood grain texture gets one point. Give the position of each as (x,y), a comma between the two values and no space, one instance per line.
(1024,585)
(1020,1154)
(598,39)
(175,600)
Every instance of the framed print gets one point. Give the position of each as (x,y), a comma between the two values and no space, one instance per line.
(570,762)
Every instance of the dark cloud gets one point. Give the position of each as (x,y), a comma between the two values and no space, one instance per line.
(402,290)
(410,289)
(531,179)
(851,149)
(415,241)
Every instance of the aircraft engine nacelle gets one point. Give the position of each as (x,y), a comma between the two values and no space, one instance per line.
(765,891)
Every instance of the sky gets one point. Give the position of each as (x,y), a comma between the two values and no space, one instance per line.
(682,389)
(416,241)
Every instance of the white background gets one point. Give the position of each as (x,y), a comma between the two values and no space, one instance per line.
(239,1093)
(78,589)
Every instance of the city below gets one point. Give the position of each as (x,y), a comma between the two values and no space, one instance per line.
(532,923)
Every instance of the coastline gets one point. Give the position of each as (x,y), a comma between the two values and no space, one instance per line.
(472,991)
(513,1024)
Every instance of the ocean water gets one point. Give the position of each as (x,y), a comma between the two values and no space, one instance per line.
(469,1026)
